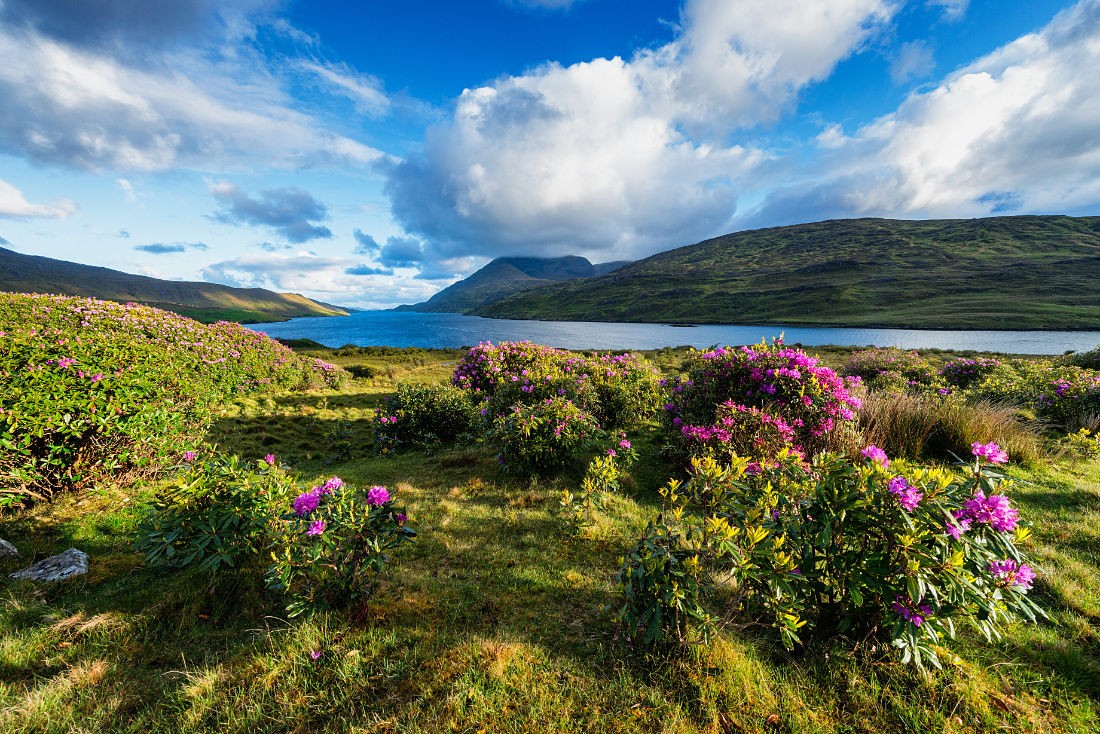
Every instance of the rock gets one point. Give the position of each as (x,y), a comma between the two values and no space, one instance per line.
(56,568)
(7,550)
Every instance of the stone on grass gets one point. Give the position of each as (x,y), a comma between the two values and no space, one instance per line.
(56,568)
(7,550)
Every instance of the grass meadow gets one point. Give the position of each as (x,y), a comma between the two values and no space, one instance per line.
(494,620)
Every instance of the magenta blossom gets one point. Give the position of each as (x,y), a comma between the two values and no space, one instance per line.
(332,484)
(270,459)
(316,527)
(307,502)
(189,456)
(1010,573)
(993,453)
(994,511)
(908,495)
(915,614)
(314,654)
(874,453)
(378,495)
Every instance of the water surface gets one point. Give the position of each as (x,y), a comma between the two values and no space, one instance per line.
(447,330)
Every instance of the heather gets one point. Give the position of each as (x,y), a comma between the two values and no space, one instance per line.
(505,613)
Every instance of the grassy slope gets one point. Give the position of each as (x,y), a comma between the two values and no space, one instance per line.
(206,302)
(491,622)
(1002,273)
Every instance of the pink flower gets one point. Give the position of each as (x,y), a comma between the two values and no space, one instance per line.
(1010,573)
(378,495)
(874,453)
(270,459)
(908,496)
(316,527)
(307,502)
(314,654)
(189,456)
(990,451)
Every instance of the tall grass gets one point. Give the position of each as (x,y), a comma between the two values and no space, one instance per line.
(924,427)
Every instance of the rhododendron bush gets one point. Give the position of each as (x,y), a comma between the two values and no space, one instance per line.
(868,548)
(735,395)
(95,389)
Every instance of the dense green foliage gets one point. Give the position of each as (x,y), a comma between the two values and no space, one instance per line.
(999,272)
(424,415)
(97,390)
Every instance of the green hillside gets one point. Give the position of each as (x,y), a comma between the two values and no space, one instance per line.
(206,302)
(505,276)
(1035,272)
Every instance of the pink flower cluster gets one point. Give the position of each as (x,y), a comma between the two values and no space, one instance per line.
(874,453)
(915,614)
(1011,573)
(307,502)
(378,495)
(991,452)
(908,495)
(994,511)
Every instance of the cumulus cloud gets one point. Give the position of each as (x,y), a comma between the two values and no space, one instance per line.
(619,158)
(1016,131)
(366,245)
(401,252)
(326,278)
(289,211)
(14,206)
(80,92)
(169,248)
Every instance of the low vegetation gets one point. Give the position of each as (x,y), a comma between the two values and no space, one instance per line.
(566,551)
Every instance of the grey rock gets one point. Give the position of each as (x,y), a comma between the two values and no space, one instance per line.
(56,568)
(7,550)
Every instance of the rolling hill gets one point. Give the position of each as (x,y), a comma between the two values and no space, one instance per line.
(507,275)
(207,302)
(1020,272)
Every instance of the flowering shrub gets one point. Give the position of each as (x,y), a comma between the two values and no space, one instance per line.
(834,547)
(543,438)
(794,398)
(892,369)
(423,415)
(93,389)
(216,511)
(621,390)
(963,372)
(1082,445)
(1065,395)
(333,544)
(738,431)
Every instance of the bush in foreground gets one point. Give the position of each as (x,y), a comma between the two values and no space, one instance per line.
(96,390)
(830,548)
(423,415)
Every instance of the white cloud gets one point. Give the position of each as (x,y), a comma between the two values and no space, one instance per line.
(913,60)
(620,158)
(324,278)
(365,91)
(1017,131)
(87,108)
(15,206)
(952,9)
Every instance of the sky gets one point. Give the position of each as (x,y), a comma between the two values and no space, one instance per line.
(371,153)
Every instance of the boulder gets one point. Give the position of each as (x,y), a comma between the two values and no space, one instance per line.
(56,568)
(7,550)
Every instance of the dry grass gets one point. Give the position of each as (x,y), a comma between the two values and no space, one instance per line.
(924,427)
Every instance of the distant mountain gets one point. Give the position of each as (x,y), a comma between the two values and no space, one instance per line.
(206,302)
(507,275)
(1023,272)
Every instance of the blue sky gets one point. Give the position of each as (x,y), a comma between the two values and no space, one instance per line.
(370,153)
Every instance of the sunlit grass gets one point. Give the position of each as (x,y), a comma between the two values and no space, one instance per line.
(494,620)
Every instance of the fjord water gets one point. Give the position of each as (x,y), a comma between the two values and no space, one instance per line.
(448,330)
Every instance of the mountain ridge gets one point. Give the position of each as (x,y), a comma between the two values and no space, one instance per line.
(1017,272)
(21,273)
